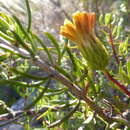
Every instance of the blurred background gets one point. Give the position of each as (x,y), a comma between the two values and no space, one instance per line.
(48,15)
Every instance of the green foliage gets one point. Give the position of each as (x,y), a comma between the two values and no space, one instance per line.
(68,94)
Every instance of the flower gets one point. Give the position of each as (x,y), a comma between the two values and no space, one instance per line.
(81,31)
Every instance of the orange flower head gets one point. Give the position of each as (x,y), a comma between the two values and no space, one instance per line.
(81,31)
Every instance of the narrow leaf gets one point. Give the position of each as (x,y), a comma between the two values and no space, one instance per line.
(6,37)
(26,34)
(128,68)
(55,43)
(29,15)
(20,41)
(72,59)
(29,75)
(39,97)
(44,47)
(59,122)
(63,71)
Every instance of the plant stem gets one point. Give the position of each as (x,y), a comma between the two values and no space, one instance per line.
(113,47)
(121,86)
(76,90)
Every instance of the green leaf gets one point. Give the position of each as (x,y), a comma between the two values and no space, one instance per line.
(92,86)
(6,20)
(114,32)
(123,47)
(128,68)
(39,97)
(29,75)
(44,47)
(108,17)
(64,102)
(13,82)
(90,117)
(63,71)
(4,57)
(118,31)
(114,18)
(6,37)
(82,76)
(121,68)
(25,46)
(4,23)
(60,121)
(122,75)
(64,48)
(26,34)
(48,94)
(101,19)
(56,45)
(72,59)
(22,84)
(29,15)
(48,110)
(56,90)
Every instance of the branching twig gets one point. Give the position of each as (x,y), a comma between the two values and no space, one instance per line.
(11,120)
(75,89)
(5,107)
(59,122)
(113,46)
(7,118)
(121,86)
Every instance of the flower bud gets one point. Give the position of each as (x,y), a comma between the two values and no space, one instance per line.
(81,32)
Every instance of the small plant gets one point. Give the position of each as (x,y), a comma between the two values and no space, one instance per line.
(86,68)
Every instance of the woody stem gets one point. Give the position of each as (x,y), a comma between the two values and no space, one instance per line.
(113,47)
(121,86)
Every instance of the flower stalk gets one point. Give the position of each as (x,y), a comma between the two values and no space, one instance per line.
(113,47)
(121,86)
(81,32)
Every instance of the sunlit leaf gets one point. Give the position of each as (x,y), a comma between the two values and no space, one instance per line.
(55,43)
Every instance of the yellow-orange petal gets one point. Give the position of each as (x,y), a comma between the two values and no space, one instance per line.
(68,29)
(68,35)
(70,26)
(77,21)
(81,31)
(84,22)
(91,21)
(64,31)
